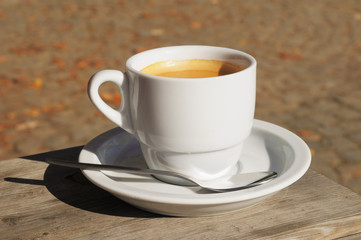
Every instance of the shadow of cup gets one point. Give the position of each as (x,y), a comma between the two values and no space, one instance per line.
(70,186)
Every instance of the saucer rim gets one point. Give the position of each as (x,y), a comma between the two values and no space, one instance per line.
(301,163)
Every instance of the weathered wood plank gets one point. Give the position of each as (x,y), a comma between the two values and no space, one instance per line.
(51,202)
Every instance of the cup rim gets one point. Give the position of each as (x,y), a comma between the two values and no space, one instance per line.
(136,57)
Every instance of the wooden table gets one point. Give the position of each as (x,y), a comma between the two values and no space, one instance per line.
(38,201)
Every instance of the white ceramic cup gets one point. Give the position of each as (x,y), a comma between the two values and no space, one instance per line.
(194,126)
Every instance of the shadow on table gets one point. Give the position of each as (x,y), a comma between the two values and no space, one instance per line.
(70,186)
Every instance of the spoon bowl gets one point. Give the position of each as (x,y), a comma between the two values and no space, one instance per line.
(227,183)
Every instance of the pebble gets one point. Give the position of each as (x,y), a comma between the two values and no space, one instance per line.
(351,155)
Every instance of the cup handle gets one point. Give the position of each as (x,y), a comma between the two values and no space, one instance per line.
(120,116)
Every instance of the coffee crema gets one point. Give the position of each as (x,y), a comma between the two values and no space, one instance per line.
(193,68)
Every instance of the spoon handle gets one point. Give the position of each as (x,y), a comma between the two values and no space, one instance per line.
(91,166)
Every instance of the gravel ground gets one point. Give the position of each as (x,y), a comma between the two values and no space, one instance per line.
(308,52)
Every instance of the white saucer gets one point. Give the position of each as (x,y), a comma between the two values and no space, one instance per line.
(269,147)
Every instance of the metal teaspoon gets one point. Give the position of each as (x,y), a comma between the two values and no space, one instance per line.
(228,183)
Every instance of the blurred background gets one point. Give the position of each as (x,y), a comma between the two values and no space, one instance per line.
(308,52)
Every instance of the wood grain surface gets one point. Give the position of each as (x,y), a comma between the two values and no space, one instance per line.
(38,201)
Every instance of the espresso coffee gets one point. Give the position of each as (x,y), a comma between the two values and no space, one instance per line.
(193,68)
